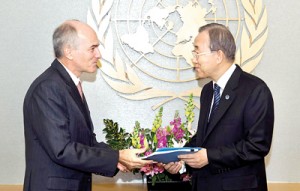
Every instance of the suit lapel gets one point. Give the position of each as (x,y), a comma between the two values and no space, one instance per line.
(72,89)
(225,103)
(206,97)
(226,100)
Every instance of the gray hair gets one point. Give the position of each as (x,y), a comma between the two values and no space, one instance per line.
(220,39)
(65,34)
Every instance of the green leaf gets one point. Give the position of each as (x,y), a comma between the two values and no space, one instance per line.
(116,137)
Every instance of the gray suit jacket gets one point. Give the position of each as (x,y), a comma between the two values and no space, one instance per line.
(237,138)
(61,148)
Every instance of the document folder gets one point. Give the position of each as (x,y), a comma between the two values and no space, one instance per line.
(167,155)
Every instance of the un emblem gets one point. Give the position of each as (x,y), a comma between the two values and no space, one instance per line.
(146,45)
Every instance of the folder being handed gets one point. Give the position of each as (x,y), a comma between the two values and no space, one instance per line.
(167,155)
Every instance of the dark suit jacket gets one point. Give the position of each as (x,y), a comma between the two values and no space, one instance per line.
(61,148)
(237,138)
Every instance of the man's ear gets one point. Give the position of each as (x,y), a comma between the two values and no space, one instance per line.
(68,52)
(220,56)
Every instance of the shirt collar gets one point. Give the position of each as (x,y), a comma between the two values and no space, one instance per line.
(225,77)
(73,76)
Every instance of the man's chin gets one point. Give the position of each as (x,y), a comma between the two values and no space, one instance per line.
(92,70)
(199,73)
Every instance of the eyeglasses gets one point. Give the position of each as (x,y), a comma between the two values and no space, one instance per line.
(197,55)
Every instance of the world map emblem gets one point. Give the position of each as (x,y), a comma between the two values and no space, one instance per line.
(146,45)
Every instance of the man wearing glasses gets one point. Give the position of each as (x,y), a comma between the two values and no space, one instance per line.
(236,119)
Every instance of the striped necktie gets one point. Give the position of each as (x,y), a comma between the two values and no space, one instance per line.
(217,97)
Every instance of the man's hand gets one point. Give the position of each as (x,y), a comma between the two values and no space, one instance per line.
(122,168)
(128,158)
(195,160)
(173,167)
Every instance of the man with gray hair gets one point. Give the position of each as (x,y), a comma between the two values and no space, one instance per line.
(61,148)
(236,119)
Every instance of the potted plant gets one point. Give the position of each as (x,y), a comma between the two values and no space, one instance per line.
(175,134)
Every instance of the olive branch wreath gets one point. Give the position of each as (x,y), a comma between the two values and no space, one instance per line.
(122,78)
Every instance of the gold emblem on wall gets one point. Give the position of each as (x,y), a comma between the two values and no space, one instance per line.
(146,45)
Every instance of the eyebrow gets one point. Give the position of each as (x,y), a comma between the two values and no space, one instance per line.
(94,45)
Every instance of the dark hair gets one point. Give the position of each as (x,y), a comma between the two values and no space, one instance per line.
(65,34)
(220,39)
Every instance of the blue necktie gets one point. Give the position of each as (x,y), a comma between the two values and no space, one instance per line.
(217,98)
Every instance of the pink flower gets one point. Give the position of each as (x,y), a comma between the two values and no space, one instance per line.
(152,169)
(161,135)
(142,137)
(148,152)
(186,177)
(177,131)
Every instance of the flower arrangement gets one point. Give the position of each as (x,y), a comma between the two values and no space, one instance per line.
(175,134)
